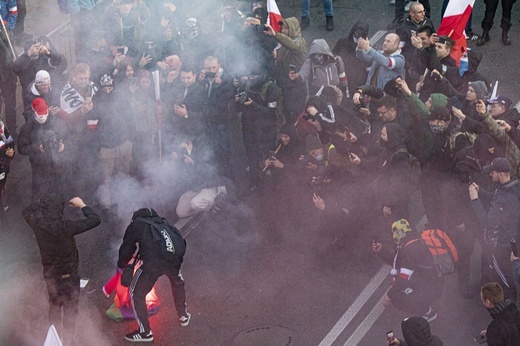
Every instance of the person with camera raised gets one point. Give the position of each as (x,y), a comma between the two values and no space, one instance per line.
(38,55)
(220,93)
(42,86)
(257,100)
(386,64)
(321,68)
(289,57)
(500,223)
(41,138)
(410,30)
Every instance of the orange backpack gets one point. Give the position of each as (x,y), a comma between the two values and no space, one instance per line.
(441,248)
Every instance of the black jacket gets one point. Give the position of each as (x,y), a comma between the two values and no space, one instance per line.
(404,32)
(115,124)
(504,330)
(55,237)
(6,142)
(355,68)
(196,105)
(139,233)
(32,134)
(52,98)
(220,100)
(26,68)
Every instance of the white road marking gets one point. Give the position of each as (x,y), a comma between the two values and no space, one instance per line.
(352,311)
(367,323)
(377,36)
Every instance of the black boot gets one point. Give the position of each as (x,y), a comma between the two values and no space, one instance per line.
(330,23)
(505,37)
(483,38)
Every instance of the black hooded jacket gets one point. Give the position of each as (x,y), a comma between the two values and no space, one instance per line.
(140,233)
(55,237)
(355,68)
(32,134)
(394,185)
(504,330)
(416,332)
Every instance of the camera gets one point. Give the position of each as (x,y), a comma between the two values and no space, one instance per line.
(243,97)
(292,68)
(266,28)
(317,184)
(50,142)
(360,33)
(210,75)
(436,77)
(121,50)
(358,107)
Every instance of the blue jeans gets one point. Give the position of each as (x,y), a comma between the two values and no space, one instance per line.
(306,8)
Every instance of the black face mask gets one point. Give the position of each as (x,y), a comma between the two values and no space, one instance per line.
(319,59)
(254,80)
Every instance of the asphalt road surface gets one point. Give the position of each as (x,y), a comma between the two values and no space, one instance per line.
(253,276)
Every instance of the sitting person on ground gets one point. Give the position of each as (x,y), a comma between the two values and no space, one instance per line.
(205,190)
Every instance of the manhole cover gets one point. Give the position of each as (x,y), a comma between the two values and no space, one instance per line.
(265,336)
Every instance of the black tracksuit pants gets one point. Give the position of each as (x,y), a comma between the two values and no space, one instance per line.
(143,281)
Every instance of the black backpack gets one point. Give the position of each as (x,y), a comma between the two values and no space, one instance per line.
(169,240)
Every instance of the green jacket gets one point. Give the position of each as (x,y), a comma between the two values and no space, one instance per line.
(293,51)
(512,151)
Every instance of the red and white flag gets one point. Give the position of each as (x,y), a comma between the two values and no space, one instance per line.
(453,24)
(274,15)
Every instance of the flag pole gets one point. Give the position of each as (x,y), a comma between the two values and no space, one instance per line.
(8,39)
(157,87)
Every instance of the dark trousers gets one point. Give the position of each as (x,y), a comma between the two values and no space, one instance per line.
(294,98)
(399,8)
(220,140)
(8,82)
(63,298)
(2,186)
(19,27)
(496,267)
(143,281)
(491,8)
(257,143)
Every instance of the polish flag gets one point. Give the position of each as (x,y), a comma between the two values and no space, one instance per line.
(274,15)
(453,24)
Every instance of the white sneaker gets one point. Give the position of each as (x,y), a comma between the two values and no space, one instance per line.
(185,320)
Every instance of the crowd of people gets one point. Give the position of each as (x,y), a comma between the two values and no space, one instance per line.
(356,132)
